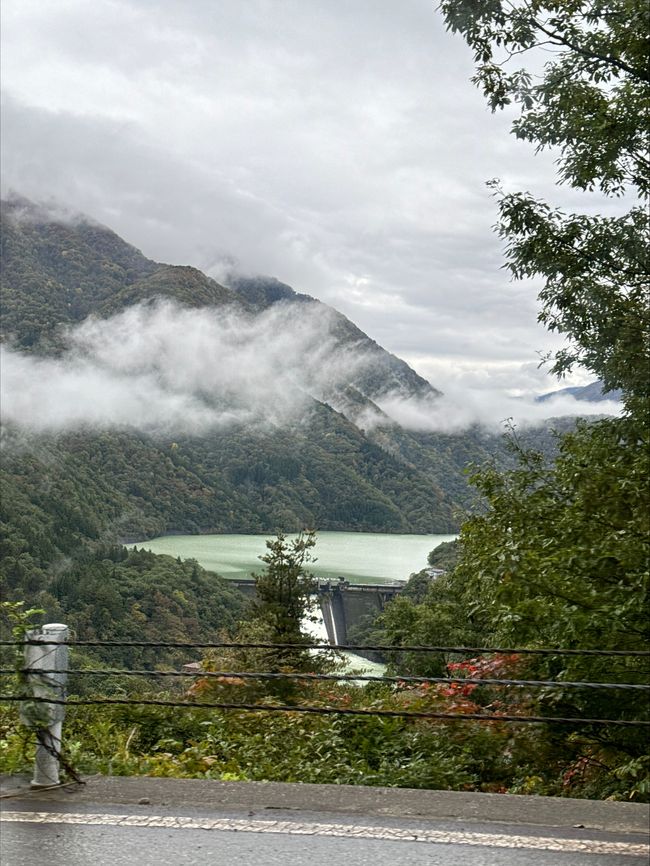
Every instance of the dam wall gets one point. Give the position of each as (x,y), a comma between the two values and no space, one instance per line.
(342,604)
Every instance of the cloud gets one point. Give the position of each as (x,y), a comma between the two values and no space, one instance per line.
(457,411)
(164,368)
(338,146)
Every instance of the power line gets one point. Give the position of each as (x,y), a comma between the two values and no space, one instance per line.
(273,675)
(327,711)
(337,647)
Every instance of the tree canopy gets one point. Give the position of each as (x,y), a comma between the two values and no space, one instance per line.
(560,557)
(587,97)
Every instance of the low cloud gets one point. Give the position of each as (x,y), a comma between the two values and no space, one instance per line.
(457,410)
(164,368)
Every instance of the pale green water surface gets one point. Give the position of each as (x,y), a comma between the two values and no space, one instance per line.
(360,557)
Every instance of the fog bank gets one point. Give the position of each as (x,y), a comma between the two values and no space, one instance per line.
(163,368)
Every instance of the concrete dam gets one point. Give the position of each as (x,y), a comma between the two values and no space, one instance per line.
(342,603)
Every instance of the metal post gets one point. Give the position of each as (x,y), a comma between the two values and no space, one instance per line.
(50,653)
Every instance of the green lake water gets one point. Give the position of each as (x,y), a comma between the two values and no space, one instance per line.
(360,557)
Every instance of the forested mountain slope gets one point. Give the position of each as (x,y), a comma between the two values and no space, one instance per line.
(123,483)
(71,492)
(57,270)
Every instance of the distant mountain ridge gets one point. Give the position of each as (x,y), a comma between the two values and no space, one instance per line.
(591,393)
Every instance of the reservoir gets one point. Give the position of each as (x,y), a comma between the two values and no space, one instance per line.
(360,557)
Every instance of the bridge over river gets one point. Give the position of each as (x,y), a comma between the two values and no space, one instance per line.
(342,603)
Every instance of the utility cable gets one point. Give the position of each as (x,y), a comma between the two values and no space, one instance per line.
(337,647)
(294,675)
(327,711)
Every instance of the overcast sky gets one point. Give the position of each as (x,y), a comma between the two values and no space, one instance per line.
(337,145)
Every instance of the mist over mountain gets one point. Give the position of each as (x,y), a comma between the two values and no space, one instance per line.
(381,375)
(56,272)
(141,398)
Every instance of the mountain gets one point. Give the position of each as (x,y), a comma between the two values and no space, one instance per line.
(346,465)
(384,374)
(57,269)
(70,497)
(591,393)
(325,472)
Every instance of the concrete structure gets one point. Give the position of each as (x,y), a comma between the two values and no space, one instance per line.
(343,604)
(46,652)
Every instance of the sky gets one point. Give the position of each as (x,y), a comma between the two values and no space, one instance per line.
(337,145)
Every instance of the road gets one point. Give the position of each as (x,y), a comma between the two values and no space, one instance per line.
(192,823)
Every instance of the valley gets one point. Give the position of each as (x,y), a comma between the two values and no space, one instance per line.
(147,406)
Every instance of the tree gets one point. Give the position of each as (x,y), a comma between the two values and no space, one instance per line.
(285,590)
(582,518)
(561,555)
(445,555)
(284,600)
(591,102)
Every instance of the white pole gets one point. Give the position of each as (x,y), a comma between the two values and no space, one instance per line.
(48,653)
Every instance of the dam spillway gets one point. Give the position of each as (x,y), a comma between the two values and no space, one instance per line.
(342,604)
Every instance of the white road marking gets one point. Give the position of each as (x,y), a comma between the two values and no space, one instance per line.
(394,834)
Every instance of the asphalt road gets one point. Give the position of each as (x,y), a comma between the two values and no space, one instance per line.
(239,824)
